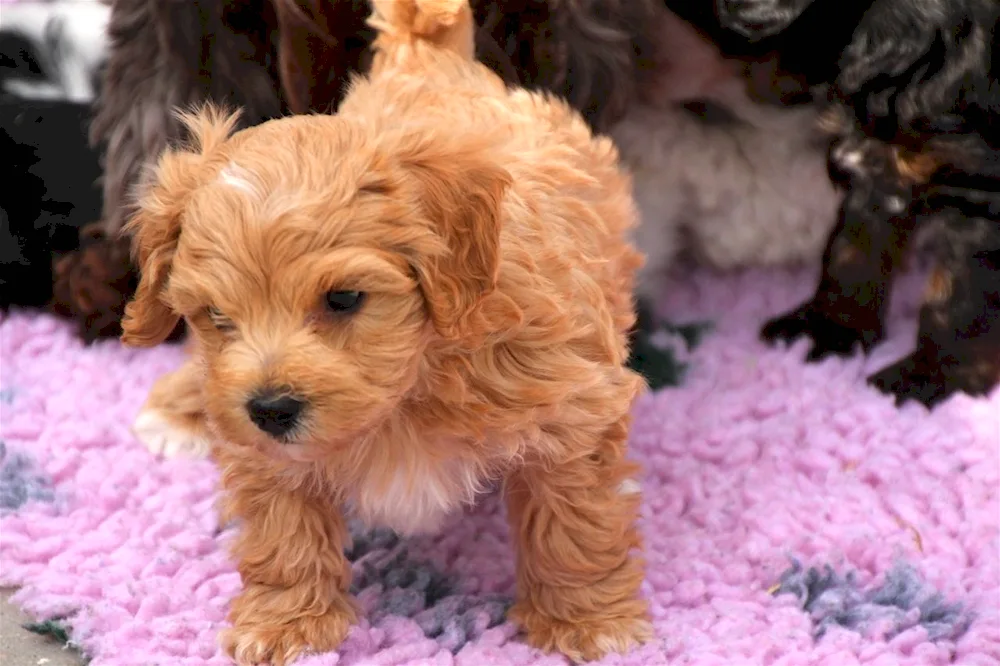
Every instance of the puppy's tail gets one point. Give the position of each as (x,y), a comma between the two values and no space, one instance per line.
(447,24)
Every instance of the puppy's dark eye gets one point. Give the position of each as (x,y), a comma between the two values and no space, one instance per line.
(219,320)
(344,302)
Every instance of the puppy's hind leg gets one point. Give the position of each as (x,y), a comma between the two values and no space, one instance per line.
(448,24)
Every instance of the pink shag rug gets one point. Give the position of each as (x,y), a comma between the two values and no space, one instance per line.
(793,516)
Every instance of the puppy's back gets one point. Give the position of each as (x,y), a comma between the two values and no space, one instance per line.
(569,211)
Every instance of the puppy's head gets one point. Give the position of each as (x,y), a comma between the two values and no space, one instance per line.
(320,265)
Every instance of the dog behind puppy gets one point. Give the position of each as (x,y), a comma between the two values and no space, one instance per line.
(913,105)
(716,174)
(392,308)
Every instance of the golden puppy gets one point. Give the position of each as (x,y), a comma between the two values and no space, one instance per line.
(393,307)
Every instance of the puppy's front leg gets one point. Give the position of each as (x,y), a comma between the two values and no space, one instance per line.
(172,422)
(958,347)
(290,554)
(860,263)
(573,521)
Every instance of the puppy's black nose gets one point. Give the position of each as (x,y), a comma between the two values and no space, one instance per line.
(275,414)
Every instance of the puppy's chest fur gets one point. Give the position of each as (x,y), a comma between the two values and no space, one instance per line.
(410,490)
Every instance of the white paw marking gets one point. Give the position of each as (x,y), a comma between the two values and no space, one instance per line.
(166,439)
(638,633)
(629,487)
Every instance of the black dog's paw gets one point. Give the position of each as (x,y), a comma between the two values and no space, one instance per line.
(789,327)
(829,337)
(910,379)
(925,380)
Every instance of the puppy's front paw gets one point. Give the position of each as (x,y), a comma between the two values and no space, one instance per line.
(581,640)
(168,438)
(829,337)
(265,632)
(910,379)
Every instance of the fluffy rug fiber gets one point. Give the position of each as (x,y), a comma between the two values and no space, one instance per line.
(793,516)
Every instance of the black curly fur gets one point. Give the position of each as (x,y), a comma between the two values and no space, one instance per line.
(587,51)
(915,98)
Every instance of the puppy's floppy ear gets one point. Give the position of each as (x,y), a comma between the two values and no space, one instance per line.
(461,192)
(156,226)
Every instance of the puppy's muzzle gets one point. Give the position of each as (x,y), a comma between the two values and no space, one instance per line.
(274,413)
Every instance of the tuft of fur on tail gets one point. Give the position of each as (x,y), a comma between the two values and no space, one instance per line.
(448,24)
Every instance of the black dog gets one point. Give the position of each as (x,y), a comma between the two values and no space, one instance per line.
(915,123)
(50,190)
(49,173)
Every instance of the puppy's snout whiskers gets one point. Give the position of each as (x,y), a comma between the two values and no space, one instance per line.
(275,414)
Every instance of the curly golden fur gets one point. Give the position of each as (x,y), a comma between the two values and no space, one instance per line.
(271,57)
(487,230)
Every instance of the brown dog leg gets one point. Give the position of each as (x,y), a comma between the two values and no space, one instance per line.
(578,580)
(290,555)
(958,348)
